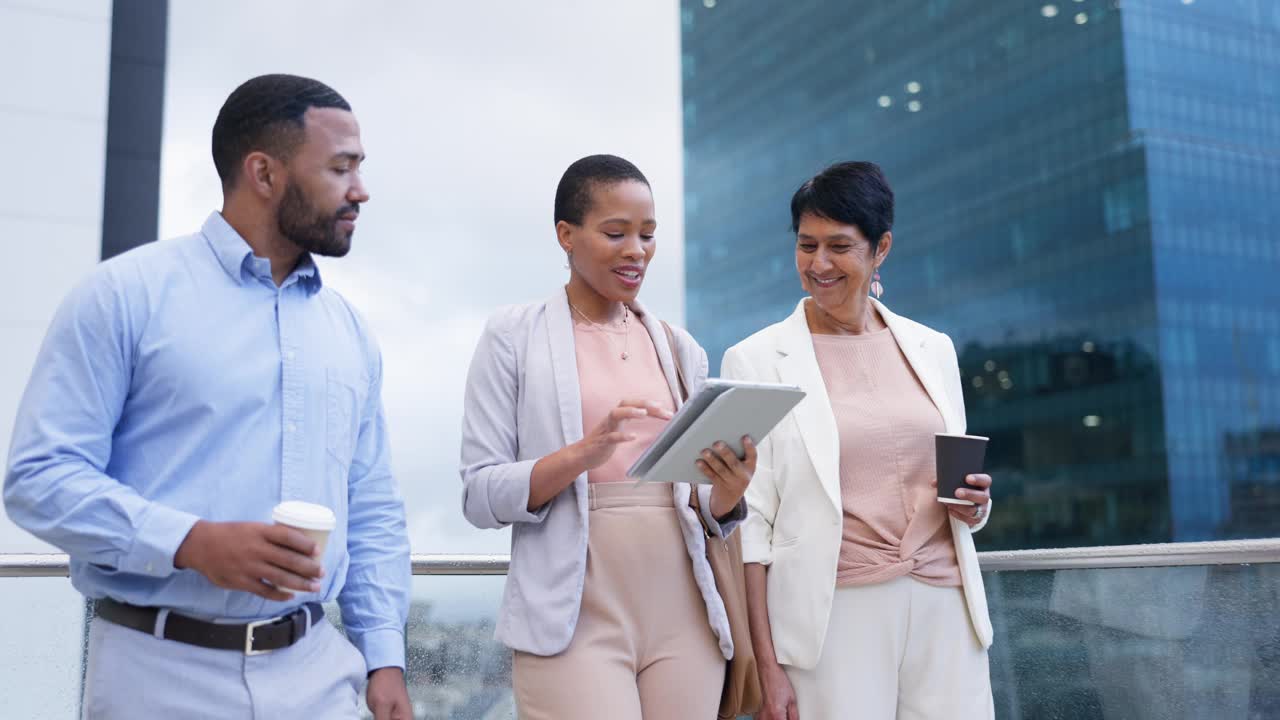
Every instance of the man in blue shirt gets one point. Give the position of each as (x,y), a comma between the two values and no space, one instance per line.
(187,387)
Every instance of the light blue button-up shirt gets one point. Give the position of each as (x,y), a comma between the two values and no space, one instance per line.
(177,383)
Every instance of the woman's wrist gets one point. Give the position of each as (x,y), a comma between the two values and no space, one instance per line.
(571,459)
(555,472)
(768,665)
(721,508)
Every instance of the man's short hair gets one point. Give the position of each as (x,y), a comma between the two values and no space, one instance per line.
(266,114)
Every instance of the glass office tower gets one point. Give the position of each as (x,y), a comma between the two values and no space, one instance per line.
(1086,202)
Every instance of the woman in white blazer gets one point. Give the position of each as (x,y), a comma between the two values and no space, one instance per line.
(610,605)
(864,592)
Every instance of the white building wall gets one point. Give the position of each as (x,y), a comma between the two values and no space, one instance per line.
(53,126)
(53,118)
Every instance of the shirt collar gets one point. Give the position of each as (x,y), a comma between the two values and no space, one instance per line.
(237,258)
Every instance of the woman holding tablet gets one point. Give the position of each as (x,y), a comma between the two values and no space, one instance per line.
(610,605)
(864,592)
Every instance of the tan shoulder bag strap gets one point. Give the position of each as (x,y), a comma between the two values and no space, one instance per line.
(675,359)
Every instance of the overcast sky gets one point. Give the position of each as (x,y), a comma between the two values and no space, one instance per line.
(469,114)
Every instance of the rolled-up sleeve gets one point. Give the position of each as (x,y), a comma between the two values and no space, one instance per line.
(762,508)
(762,494)
(495,484)
(955,389)
(985,518)
(56,486)
(375,598)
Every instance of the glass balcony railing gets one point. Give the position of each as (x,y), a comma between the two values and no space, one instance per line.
(42,641)
(1138,632)
(1182,631)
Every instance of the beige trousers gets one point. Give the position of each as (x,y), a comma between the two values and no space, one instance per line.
(897,650)
(642,648)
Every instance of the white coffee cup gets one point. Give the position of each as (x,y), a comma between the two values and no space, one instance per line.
(314,521)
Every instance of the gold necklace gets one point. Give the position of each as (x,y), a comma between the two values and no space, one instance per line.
(626,329)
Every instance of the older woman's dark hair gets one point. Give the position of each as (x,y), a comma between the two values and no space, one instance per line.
(851,193)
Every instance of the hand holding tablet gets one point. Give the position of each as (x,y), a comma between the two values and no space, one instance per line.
(721,414)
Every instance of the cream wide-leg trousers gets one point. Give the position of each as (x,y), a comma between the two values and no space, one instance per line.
(897,650)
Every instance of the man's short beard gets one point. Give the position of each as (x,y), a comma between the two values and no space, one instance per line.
(310,229)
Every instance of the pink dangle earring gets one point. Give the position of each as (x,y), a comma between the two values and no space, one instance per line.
(877,288)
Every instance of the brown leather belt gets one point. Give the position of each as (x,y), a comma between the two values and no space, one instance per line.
(253,638)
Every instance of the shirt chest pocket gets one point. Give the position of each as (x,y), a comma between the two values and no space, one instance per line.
(343,402)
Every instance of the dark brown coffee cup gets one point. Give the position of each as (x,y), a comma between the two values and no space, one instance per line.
(958,456)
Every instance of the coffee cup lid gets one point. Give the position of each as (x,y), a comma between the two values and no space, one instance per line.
(304,515)
(962,435)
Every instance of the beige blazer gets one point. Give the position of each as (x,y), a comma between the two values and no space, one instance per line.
(795,519)
(523,402)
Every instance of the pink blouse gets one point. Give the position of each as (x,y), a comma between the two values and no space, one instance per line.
(893,523)
(606,379)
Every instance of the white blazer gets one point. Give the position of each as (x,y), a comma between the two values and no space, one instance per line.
(795,519)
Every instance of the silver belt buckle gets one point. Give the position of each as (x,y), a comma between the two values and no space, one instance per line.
(248,635)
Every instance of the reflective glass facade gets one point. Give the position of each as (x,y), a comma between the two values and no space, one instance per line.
(1084,193)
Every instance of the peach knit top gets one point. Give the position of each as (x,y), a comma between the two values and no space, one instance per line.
(606,379)
(893,524)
